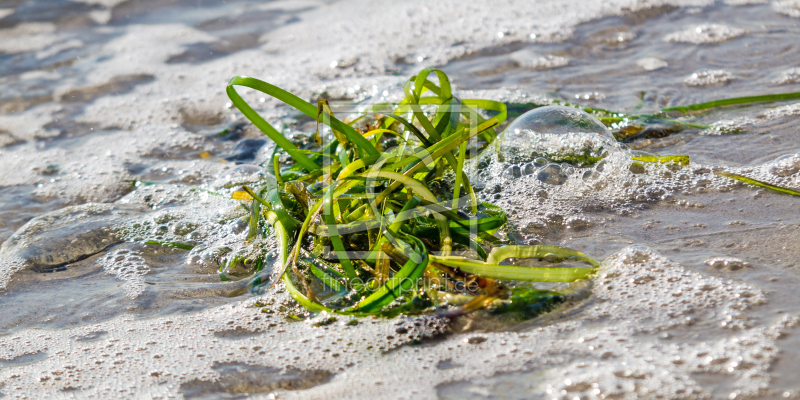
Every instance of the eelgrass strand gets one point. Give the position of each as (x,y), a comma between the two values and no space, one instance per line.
(734,102)
(758,183)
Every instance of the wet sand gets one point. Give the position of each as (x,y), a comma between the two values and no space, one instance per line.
(694,298)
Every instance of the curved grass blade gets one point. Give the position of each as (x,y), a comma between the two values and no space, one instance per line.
(560,253)
(255,214)
(734,101)
(403,281)
(300,105)
(517,273)
(680,160)
(276,205)
(329,280)
(444,82)
(261,123)
(336,240)
(759,183)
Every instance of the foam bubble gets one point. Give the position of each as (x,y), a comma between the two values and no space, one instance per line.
(128,266)
(790,8)
(709,78)
(9,265)
(705,33)
(651,63)
(531,60)
(790,76)
(726,263)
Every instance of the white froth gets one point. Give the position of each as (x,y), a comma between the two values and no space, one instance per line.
(787,7)
(706,33)
(709,77)
(788,77)
(726,263)
(630,339)
(531,60)
(9,265)
(128,266)
(29,37)
(651,63)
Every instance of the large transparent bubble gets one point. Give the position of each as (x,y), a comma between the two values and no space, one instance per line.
(558,134)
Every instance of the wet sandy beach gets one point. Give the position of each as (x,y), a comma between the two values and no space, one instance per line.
(695,297)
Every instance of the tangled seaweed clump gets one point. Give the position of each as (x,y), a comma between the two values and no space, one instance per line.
(378,217)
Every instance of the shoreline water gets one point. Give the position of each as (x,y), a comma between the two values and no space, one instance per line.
(694,298)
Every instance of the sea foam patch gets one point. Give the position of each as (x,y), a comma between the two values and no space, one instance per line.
(633,338)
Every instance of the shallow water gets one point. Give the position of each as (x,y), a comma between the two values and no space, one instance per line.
(695,298)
